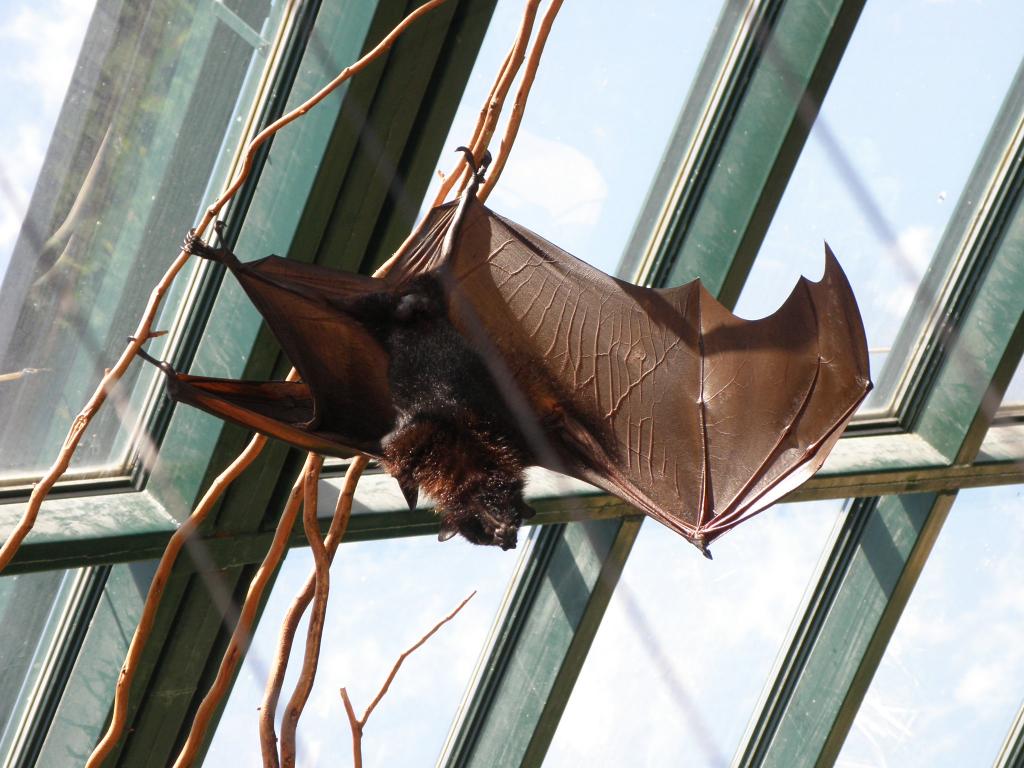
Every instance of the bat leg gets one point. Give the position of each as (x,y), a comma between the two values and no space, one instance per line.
(194,244)
(478,170)
(163,365)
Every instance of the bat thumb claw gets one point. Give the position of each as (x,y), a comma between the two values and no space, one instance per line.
(703,547)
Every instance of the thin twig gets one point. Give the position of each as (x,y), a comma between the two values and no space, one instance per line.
(519,107)
(495,101)
(242,634)
(336,532)
(358,725)
(142,332)
(314,632)
(22,374)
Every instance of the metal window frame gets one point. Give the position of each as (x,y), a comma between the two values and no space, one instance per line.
(696,197)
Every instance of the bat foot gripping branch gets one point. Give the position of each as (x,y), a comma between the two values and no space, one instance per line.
(163,365)
(478,170)
(194,244)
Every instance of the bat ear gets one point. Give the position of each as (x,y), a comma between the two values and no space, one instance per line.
(448,528)
(410,491)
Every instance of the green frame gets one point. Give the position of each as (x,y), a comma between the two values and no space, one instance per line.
(734,147)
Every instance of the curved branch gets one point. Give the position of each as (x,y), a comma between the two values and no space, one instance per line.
(519,107)
(242,634)
(336,532)
(119,719)
(357,725)
(314,633)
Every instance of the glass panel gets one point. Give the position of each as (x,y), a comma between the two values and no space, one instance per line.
(950,682)
(686,644)
(898,133)
(90,223)
(385,595)
(30,611)
(583,161)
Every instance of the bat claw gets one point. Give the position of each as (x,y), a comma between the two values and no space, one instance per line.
(194,245)
(700,544)
(448,529)
(478,169)
(163,365)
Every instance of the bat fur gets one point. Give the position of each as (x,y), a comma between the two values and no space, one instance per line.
(454,438)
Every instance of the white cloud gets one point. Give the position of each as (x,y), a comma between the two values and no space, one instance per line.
(891,287)
(555,176)
(979,683)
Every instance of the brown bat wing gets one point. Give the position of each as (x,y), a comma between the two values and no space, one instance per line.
(663,397)
(281,409)
(344,402)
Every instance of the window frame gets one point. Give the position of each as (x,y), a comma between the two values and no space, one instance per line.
(915,460)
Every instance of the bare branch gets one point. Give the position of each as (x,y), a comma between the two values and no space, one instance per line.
(242,634)
(314,632)
(357,731)
(22,374)
(336,532)
(519,107)
(358,725)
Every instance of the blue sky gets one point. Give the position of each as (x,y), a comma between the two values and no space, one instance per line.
(910,107)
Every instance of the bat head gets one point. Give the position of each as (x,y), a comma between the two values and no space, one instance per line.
(484,522)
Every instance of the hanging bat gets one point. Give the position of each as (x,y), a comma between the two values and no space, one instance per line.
(487,349)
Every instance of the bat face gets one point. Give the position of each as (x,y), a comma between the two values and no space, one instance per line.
(487,349)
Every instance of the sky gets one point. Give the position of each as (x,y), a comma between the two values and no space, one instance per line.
(699,638)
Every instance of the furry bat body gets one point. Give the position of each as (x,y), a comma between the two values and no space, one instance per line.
(487,349)
(452,436)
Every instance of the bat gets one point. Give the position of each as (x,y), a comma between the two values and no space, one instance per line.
(486,349)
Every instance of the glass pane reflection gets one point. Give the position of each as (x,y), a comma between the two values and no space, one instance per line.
(951,679)
(30,611)
(686,645)
(898,133)
(384,596)
(105,159)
